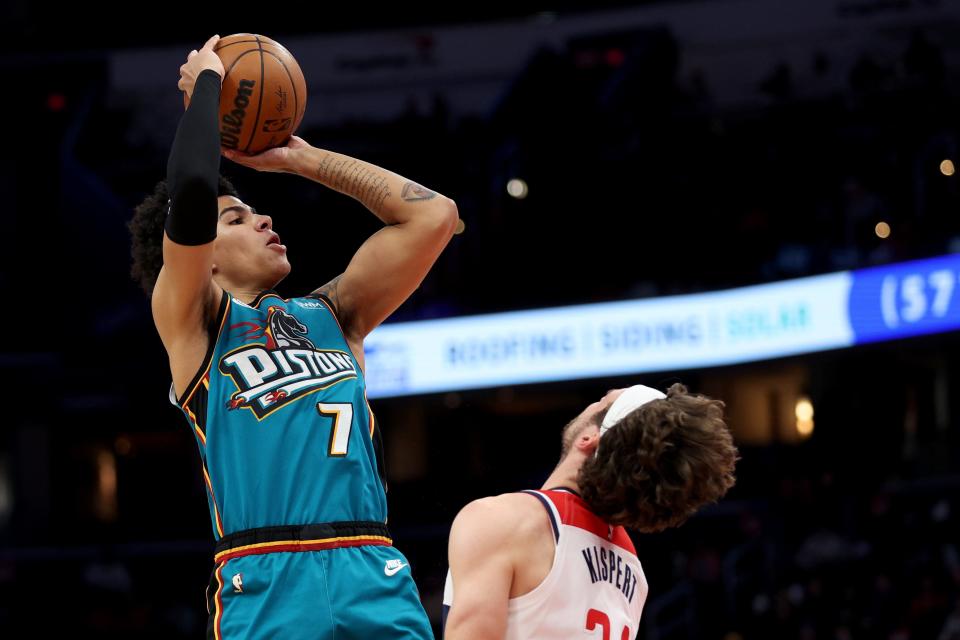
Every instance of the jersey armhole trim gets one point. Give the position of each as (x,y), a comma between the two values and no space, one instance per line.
(214,338)
(551,512)
(336,318)
(332,308)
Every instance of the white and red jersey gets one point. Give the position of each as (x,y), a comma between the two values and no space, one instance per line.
(596,582)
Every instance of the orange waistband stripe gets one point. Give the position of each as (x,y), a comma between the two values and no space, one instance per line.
(278,546)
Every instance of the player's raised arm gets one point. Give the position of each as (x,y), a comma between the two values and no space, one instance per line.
(241,359)
(185,293)
(393,262)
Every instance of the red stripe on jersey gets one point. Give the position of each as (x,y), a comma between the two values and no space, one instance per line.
(575,513)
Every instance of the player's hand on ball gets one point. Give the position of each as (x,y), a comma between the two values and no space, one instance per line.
(198,61)
(278,159)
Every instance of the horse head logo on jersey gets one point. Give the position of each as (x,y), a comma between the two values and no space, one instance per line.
(286,331)
(270,375)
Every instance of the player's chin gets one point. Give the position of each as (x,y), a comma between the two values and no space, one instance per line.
(281,266)
(276,264)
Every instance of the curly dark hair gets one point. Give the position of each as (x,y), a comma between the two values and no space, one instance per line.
(661,463)
(146,227)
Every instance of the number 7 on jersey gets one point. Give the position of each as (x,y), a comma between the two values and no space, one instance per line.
(342,414)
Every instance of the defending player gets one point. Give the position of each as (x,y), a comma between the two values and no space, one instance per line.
(557,563)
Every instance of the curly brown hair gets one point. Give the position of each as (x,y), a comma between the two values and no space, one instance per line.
(661,463)
(146,227)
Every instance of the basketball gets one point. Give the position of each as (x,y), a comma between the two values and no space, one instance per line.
(264,95)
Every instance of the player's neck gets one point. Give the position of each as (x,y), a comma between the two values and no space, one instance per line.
(566,473)
(243,293)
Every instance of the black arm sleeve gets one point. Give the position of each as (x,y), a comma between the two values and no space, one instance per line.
(193,169)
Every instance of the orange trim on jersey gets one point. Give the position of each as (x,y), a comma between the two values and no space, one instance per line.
(195,424)
(218,605)
(213,499)
(575,513)
(267,334)
(369,412)
(212,349)
(302,545)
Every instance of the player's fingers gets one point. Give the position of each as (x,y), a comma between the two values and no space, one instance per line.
(239,158)
(209,44)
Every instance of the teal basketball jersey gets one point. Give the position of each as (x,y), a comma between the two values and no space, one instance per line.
(281,419)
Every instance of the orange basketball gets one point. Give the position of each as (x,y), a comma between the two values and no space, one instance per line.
(264,94)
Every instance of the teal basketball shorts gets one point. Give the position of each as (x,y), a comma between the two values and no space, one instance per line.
(333,581)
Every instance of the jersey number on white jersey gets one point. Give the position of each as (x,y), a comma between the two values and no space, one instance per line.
(597,618)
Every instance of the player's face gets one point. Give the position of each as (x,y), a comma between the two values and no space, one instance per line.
(590,417)
(595,413)
(247,248)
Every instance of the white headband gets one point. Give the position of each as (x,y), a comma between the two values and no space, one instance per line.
(630,400)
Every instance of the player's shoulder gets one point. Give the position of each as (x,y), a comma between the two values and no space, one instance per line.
(506,516)
(506,505)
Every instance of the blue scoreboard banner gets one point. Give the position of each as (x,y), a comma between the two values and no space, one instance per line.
(680,332)
(906,299)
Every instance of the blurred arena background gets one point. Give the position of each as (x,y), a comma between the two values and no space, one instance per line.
(626,151)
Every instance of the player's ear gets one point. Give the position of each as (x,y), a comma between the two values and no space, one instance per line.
(588,440)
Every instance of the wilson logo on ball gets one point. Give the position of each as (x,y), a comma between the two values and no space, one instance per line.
(232,123)
(263,95)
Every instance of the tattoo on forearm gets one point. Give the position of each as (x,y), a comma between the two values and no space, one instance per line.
(351,177)
(413,192)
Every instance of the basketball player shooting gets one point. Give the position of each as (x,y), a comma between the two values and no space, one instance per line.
(557,563)
(273,389)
